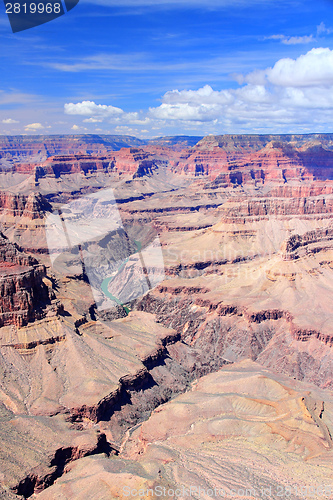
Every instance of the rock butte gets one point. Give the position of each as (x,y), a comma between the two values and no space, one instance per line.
(215,368)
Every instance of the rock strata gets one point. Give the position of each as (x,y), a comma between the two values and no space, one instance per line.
(23,294)
(238,300)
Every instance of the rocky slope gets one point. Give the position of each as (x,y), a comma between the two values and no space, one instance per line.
(33,206)
(218,439)
(24,296)
(243,228)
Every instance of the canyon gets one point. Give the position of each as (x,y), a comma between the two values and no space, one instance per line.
(166,316)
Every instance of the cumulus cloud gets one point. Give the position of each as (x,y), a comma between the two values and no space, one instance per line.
(33,126)
(208,105)
(9,121)
(294,94)
(76,128)
(205,95)
(313,68)
(285,94)
(186,111)
(89,108)
(103,112)
(92,120)
(203,105)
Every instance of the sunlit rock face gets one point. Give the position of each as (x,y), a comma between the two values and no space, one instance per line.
(23,294)
(33,206)
(217,437)
(166,306)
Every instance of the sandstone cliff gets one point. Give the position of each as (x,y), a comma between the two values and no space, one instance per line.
(33,206)
(23,294)
(245,229)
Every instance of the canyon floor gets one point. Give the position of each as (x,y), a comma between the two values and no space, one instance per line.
(166,317)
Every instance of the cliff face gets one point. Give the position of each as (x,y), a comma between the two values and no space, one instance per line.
(254,142)
(243,162)
(227,161)
(39,146)
(33,206)
(264,207)
(244,224)
(23,294)
(130,161)
(58,165)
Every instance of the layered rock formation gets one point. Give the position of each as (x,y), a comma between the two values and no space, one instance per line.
(258,208)
(217,440)
(244,227)
(23,293)
(40,147)
(33,206)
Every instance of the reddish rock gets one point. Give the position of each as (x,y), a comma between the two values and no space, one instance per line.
(33,206)
(263,207)
(23,295)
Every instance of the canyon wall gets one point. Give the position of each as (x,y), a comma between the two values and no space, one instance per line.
(23,293)
(244,229)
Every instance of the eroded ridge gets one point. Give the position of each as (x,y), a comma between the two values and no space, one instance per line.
(185,379)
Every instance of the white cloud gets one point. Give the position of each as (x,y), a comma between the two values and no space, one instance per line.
(33,126)
(315,68)
(186,111)
(14,97)
(294,40)
(89,108)
(92,120)
(254,94)
(76,128)
(106,61)
(139,62)
(206,95)
(9,121)
(204,105)
(291,40)
(208,105)
(279,96)
(102,112)
(322,30)
(293,95)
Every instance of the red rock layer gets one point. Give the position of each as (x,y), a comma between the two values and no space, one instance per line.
(33,206)
(22,291)
(45,146)
(230,162)
(263,207)
(276,161)
(132,161)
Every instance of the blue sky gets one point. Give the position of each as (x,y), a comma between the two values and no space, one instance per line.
(150,68)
